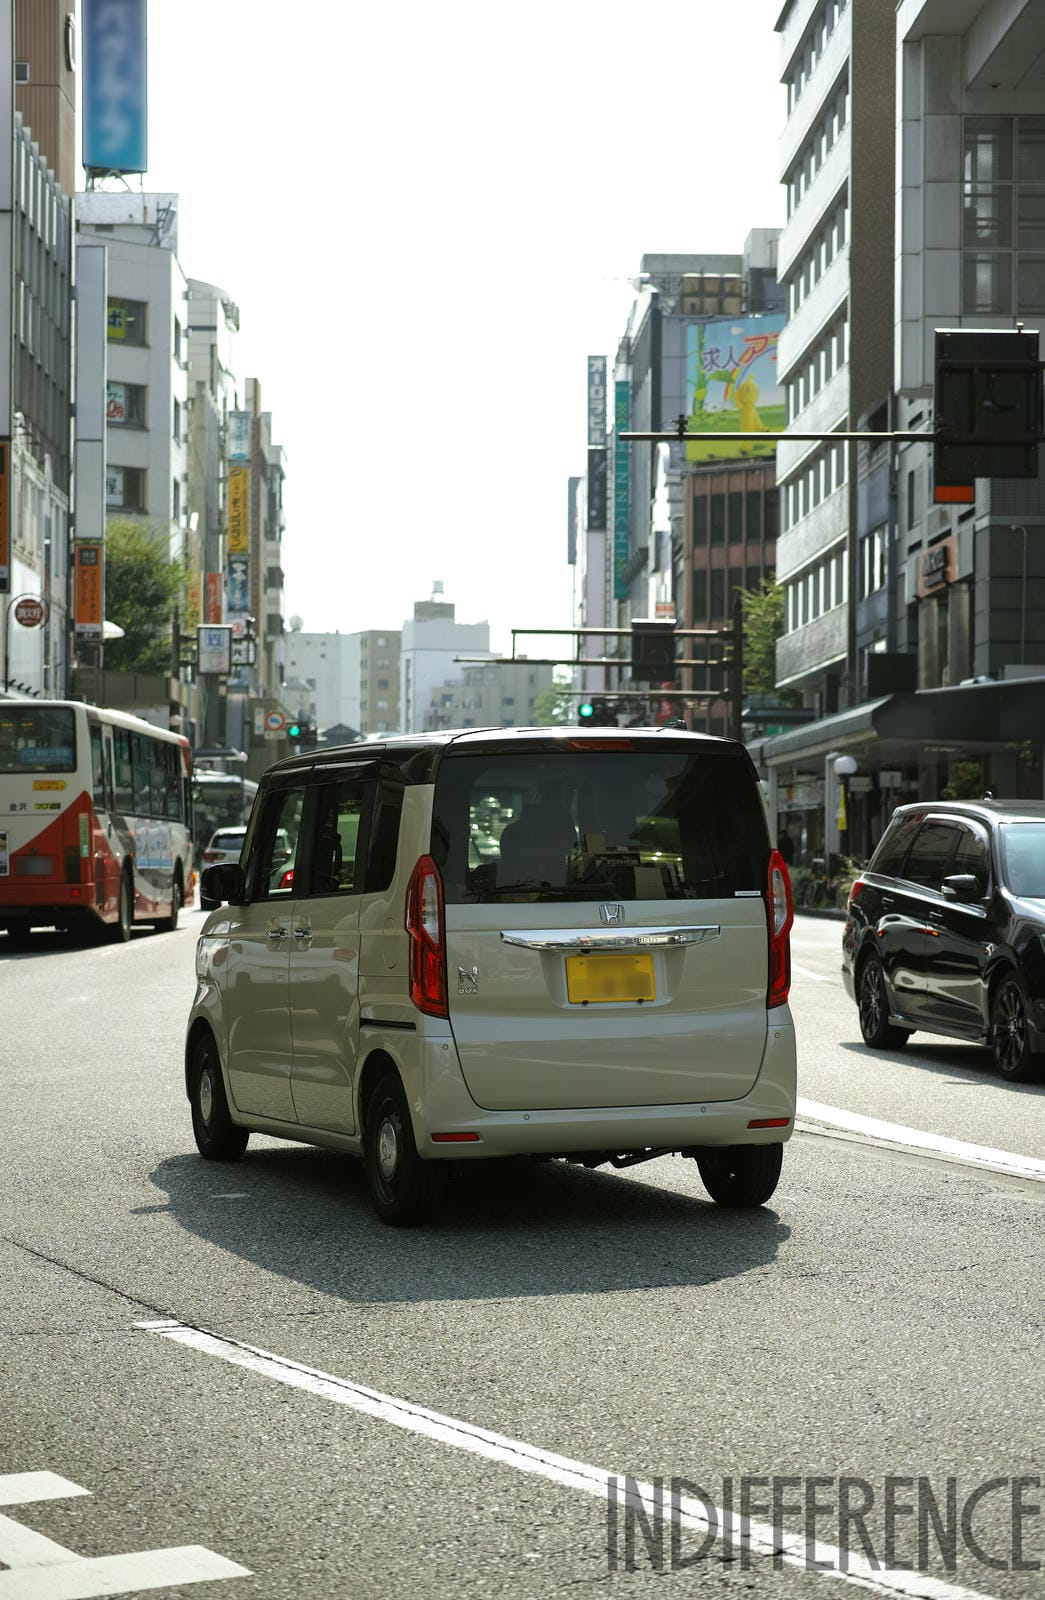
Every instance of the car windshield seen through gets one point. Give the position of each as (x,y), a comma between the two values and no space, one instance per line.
(1023,858)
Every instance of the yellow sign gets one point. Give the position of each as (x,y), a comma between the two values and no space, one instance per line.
(239,511)
(49,783)
(843,822)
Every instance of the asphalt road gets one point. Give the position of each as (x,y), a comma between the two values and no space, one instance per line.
(437,1412)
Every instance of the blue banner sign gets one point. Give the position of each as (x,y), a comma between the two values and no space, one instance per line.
(114,89)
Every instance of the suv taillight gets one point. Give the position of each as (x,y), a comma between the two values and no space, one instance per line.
(780,914)
(854,891)
(425,927)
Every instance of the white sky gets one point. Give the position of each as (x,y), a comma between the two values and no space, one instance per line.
(427,215)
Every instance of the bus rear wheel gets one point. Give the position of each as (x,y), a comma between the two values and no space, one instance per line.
(168,924)
(119,932)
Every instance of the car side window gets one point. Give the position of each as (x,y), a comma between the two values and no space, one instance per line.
(888,859)
(275,854)
(929,860)
(336,857)
(973,856)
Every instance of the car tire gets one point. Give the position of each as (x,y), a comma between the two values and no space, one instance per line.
(740,1175)
(119,932)
(873,1008)
(1010,1033)
(217,1137)
(404,1189)
(168,924)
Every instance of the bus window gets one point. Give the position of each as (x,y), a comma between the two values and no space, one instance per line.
(36,738)
(140,749)
(97,767)
(124,771)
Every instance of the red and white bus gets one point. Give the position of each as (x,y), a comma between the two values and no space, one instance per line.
(95,819)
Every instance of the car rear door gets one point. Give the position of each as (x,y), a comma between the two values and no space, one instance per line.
(257,988)
(324,951)
(908,942)
(614,950)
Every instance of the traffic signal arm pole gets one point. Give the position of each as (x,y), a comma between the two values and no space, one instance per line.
(899,437)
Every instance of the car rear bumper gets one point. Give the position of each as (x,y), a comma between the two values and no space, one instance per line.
(444,1107)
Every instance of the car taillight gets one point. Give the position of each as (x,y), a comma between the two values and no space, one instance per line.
(854,891)
(780,914)
(426,930)
(287,880)
(213,855)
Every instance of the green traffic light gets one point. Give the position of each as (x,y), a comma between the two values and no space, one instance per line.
(586,710)
(294,730)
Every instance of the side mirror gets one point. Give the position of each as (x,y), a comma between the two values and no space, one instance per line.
(962,886)
(221,884)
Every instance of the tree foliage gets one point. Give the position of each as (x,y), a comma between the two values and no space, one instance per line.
(554,706)
(142,589)
(763,625)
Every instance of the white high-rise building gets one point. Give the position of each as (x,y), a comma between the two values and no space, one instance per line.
(834,260)
(432,639)
(147,434)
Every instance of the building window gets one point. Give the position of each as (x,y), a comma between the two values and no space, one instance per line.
(125,405)
(1003,230)
(736,517)
(700,519)
(718,519)
(718,594)
(125,323)
(124,489)
(700,596)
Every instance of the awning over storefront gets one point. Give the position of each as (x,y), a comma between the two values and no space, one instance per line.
(965,720)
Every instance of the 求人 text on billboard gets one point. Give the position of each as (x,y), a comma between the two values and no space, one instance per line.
(732,386)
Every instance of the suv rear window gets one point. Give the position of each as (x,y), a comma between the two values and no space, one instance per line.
(639,824)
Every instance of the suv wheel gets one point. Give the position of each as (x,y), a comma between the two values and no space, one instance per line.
(1010,1033)
(741,1175)
(217,1137)
(404,1189)
(873,1006)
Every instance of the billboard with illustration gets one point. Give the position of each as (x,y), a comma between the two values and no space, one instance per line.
(732,386)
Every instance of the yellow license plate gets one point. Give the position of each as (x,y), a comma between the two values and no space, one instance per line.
(609,977)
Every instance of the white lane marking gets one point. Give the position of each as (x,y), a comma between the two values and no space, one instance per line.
(23,1488)
(37,1568)
(760,1538)
(807,972)
(977,1155)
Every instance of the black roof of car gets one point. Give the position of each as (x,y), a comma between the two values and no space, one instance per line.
(407,744)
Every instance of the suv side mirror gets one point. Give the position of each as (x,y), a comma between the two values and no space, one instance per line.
(222,883)
(962,886)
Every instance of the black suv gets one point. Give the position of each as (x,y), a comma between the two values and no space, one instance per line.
(945,930)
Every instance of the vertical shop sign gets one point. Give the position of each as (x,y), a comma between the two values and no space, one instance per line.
(621,487)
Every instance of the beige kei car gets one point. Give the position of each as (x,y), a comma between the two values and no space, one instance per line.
(457,946)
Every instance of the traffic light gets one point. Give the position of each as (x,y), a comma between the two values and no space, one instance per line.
(988,407)
(653,651)
(293,730)
(599,712)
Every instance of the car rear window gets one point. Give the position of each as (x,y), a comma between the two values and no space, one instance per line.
(639,824)
(1023,858)
(228,841)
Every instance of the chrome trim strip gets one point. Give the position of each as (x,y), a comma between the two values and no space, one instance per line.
(585,939)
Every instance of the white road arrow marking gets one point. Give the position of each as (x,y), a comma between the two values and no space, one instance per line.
(37,1568)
